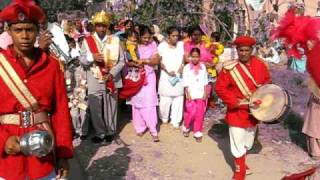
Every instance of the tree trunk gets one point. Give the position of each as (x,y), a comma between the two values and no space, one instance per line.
(207,8)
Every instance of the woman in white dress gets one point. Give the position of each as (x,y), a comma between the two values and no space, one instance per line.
(170,84)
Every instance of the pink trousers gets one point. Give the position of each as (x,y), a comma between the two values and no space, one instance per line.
(194,113)
(143,118)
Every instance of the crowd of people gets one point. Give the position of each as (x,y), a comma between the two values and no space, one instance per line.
(103,63)
(86,68)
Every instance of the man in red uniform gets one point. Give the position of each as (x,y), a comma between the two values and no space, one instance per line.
(235,84)
(33,96)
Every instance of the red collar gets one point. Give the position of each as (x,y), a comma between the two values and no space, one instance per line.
(248,64)
(41,58)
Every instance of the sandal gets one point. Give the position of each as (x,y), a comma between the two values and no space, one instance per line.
(185,134)
(140,134)
(155,139)
(198,139)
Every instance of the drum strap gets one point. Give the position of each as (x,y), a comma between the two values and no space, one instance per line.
(245,69)
(16,85)
(236,76)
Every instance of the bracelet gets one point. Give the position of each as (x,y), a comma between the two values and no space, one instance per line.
(147,61)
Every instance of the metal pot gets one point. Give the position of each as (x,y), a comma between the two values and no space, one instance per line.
(37,143)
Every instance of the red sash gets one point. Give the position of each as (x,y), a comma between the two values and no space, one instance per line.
(103,69)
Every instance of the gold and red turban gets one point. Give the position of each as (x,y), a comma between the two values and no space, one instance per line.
(102,18)
(20,11)
(244,41)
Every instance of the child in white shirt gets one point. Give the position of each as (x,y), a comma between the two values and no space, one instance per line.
(195,81)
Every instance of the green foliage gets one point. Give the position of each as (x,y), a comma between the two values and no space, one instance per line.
(98,1)
(166,13)
(55,6)
(227,19)
(145,13)
(4,3)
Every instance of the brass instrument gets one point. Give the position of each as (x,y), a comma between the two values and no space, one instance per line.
(56,50)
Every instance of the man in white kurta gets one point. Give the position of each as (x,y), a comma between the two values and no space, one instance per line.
(170,83)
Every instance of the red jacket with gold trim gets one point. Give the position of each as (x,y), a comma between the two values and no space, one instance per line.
(45,81)
(227,89)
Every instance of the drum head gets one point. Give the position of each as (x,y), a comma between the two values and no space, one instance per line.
(275,103)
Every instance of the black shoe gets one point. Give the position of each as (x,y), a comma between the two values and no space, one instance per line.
(109,138)
(83,137)
(76,136)
(97,140)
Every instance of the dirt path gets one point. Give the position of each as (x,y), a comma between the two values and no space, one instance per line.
(177,157)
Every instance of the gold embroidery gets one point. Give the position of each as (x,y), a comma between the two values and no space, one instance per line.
(10,119)
(13,88)
(239,84)
(25,93)
(249,74)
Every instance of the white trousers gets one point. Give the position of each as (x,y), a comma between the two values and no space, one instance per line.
(241,140)
(175,104)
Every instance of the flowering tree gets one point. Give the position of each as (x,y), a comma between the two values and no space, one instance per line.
(167,12)
(219,14)
(53,7)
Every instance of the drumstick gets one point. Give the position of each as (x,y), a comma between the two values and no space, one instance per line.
(244,102)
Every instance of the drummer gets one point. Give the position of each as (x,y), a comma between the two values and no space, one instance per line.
(235,84)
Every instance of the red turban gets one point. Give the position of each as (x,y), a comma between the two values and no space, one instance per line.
(22,11)
(244,41)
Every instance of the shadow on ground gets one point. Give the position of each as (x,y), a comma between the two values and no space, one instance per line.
(106,160)
(219,132)
(97,166)
(113,167)
(294,123)
(124,115)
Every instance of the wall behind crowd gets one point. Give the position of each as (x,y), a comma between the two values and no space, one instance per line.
(310,7)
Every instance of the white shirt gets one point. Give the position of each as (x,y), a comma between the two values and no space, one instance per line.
(103,46)
(75,52)
(275,58)
(172,59)
(195,83)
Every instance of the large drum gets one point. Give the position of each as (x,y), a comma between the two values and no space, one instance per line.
(275,103)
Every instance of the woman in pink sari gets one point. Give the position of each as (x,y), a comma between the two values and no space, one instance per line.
(144,103)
